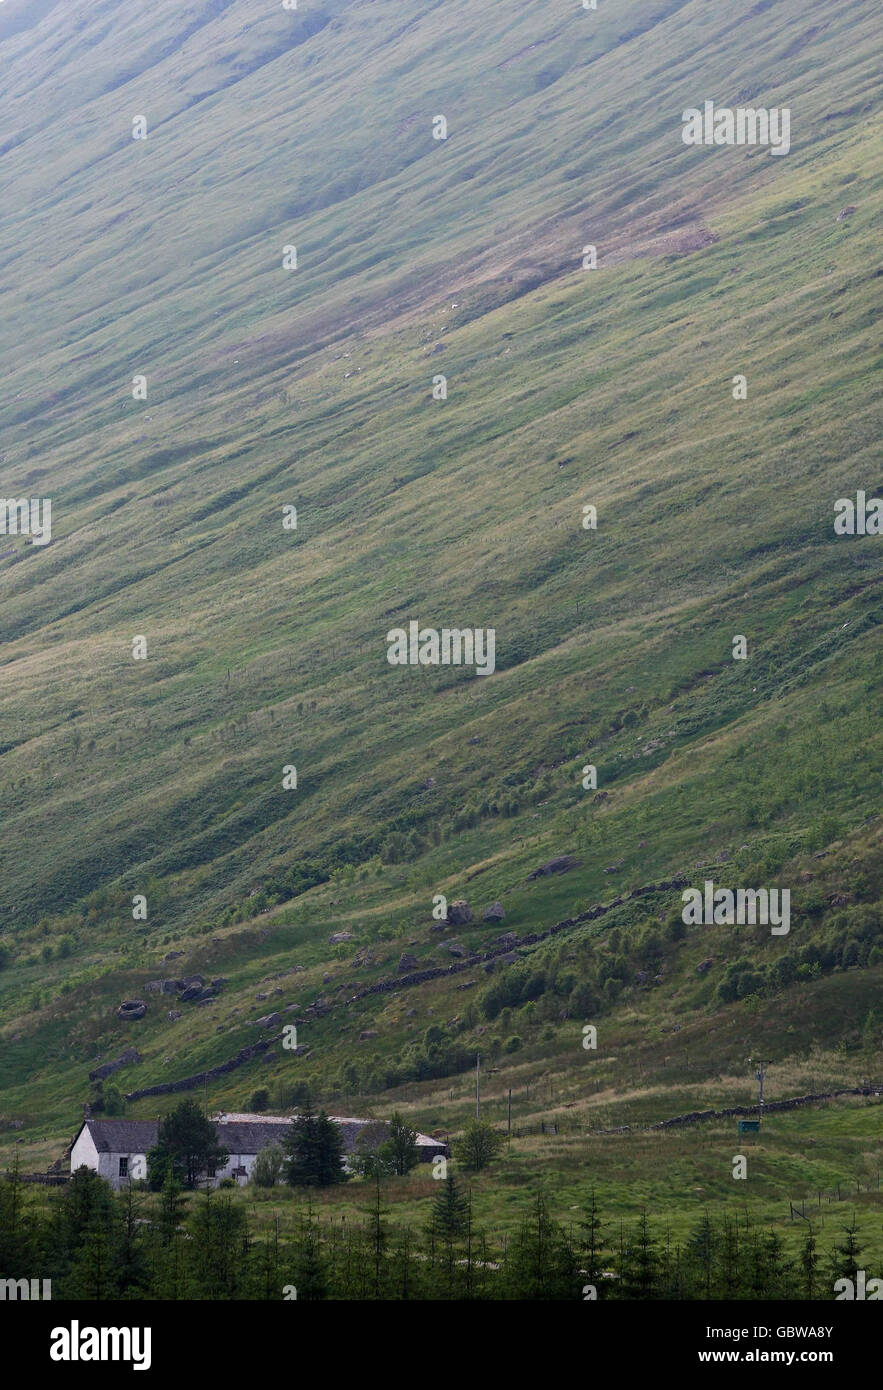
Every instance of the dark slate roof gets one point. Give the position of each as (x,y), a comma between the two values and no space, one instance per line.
(239,1136)
(122,1136)
(249,1136)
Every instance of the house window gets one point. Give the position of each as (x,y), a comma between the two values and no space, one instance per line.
(210,1170)
(124,1167)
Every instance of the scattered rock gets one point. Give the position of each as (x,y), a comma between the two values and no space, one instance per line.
(560,865)
(338,937)
(407,963)
(190,992)
(173,1015)
(847,212)
(704,966)
(494,913)
(268,1021)
(367,1033)
(459,913)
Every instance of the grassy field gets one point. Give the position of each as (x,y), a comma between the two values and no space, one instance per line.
(267,647)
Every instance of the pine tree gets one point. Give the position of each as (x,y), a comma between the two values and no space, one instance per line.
(641,1269)
(188,1143)
(591,1246)
(730,1266)
(446,1226)
(131,1263)
(809,1264)
(16,1231)
(539,1262)
(220,1236)
(315,1149)
(845,1258)
(701,1249)
(311,1275)
(169,1272)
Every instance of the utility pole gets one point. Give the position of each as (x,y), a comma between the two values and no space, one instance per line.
(762,1063)
(509,1124)
(478,1085)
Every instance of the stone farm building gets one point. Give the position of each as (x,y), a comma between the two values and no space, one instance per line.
(117,1149)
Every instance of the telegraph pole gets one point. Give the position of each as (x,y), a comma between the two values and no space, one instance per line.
(478,1085)
(762,1063)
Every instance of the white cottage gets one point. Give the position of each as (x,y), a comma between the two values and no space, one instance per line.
(117,1149)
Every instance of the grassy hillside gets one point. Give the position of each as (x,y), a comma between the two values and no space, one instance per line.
(266,647)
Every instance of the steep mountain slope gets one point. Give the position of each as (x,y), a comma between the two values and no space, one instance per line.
(313,388)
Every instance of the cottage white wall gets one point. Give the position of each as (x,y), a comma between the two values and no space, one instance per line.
(84,1153)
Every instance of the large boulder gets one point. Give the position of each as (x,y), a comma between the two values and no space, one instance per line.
(268,1021)
(459,913)
(494,913)
(131,1009)
(407,963)
(190,992)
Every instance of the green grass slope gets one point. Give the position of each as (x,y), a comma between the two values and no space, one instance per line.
(266,647)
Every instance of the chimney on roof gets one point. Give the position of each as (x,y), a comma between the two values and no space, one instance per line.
(87,1111)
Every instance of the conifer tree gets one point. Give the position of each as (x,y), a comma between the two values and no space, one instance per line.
(445,1228)
(641,1268)
(809,1265)
(315,1151)
(540,1263)
(188,1143)
(845,1258)
(591,1246)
